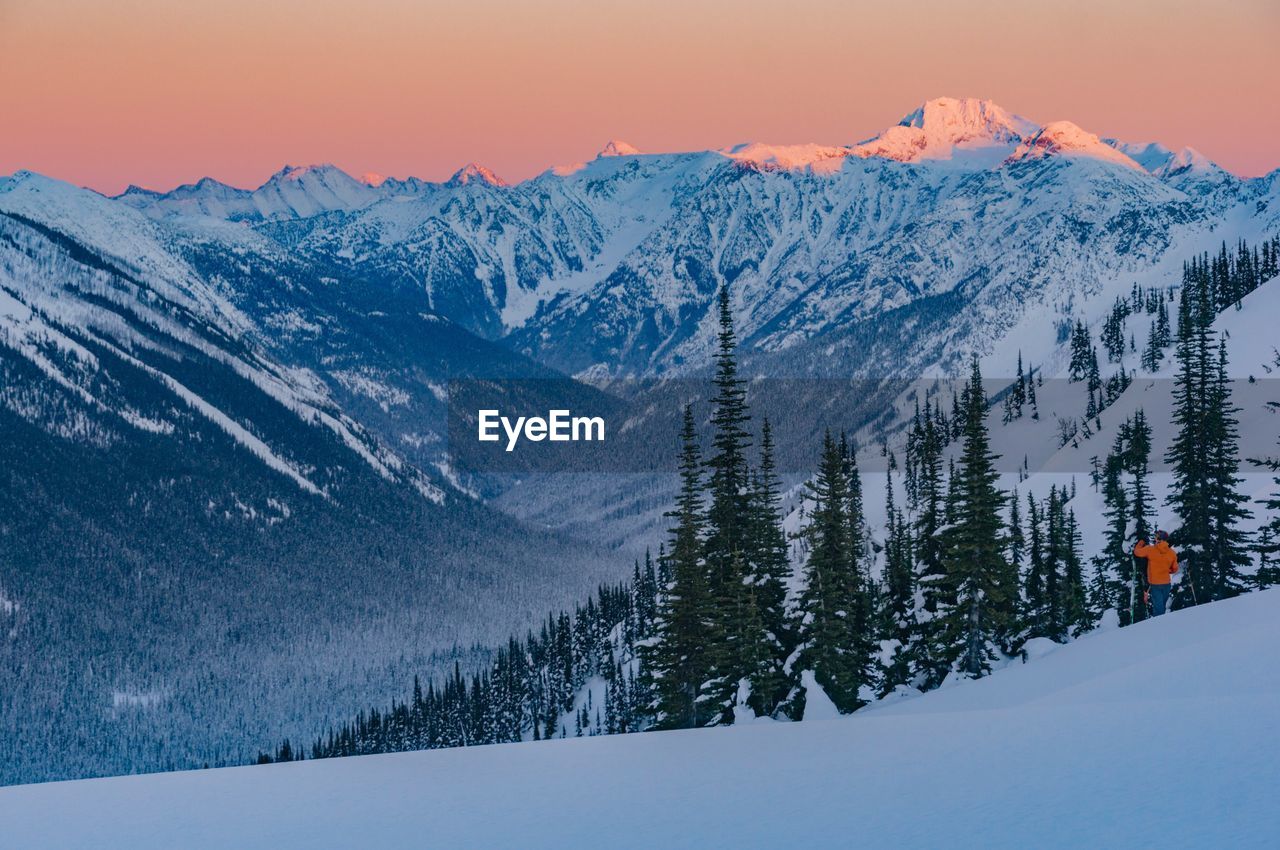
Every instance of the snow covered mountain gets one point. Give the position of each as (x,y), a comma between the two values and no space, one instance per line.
(607,268)
(198,526)
(292,192)
(1119,697)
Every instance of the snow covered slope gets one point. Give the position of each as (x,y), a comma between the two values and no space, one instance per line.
(195,440)
(1077,748)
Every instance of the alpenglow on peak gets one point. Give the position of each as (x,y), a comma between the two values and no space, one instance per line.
(617,147)
(941,125)
(474,172)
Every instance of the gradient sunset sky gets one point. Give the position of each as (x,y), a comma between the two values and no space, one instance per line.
(159,93)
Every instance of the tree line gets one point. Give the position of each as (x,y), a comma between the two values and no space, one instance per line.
(717,628)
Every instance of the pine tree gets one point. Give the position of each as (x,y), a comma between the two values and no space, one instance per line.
(1081,352)
(899,603)
(1268,573)
(1153,352)
(678,660)
(1204,455)
(1228,549)
(733,649)
(1115,561)
(834,598)
(768,575)
(1077,618)
(936,592)
(1112,336)
(974,548)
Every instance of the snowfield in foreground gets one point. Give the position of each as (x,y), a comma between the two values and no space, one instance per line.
(1160,735)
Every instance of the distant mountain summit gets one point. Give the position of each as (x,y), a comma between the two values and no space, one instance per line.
(941,126)
(617,147)
(471,172)
(1062,138)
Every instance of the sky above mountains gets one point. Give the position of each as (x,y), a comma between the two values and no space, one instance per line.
(158,94)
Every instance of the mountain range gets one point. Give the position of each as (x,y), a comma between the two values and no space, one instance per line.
(224,410)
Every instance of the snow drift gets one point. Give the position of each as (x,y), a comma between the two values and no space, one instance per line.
(1086,745)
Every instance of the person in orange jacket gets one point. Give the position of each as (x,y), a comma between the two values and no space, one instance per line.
(1162,563)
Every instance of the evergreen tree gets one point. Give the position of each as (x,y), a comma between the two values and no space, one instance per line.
(1081,352)
(1112,336)
(833,634)
(1203,453)
(1153,352)
(1077,618)
(981,612)
(734,645)
(1228,549)
(899,603)
(678,660)
(1268,573)
(768,577)
(936,592)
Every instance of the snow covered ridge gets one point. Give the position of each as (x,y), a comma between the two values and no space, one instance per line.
(137,301)
(1066,139)
(941,129)
(1055,742)
(602,268)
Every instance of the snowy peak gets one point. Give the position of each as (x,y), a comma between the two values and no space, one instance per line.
(1188,161)
(135,191)
(312,176)
(309,190)
(1062,138)
(762,157)
(1166,164)
(960,119)
(617,147)
(471,172)
(941,126)
(1150,155)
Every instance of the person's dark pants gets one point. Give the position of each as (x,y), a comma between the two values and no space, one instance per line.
(1159,598)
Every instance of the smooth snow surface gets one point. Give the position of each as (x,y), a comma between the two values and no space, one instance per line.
(1161,735)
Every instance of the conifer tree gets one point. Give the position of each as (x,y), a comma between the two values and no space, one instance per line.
(1114,565)
(1204,455)
(727,558)
(936,592)
(1153,352)
(1228,549)
(1076,614)
(678,660)
(768,577)
(899,603)
(1081,352)
(834,638)
(974,548)
(1268,573)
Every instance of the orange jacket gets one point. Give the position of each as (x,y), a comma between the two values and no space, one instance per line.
(1162,561)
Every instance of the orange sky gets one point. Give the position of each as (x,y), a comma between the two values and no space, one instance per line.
(157,92)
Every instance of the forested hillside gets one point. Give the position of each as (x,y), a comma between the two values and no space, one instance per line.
(747,614)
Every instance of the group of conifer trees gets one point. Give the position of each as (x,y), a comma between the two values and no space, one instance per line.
(724,634)
(527,691)
(1204,455)
(718,626)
